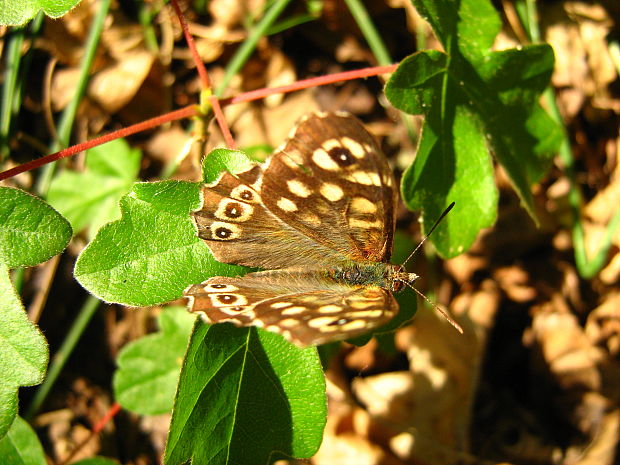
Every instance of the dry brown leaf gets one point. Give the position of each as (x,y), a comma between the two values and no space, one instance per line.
(514,281)
(577,32)
(344,445)
(603,325)
(115,86)
(566,350)
(279,72)
(463,267)
(603,449)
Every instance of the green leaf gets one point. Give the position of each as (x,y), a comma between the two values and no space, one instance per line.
(476,102)
(18,12)
(31,231)
(90,198)
(246,396)
(152,253)
(220,160)
(23,351)
(21,446)
(148,369)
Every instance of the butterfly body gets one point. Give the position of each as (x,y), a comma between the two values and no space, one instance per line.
(318,215)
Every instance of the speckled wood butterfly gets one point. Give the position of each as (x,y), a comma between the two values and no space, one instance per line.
(319,215)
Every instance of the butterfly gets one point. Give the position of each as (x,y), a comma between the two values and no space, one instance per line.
(319,217)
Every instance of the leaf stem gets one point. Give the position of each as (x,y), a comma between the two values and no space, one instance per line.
(587,268)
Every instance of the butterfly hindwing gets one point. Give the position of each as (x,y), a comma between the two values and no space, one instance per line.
(302,306)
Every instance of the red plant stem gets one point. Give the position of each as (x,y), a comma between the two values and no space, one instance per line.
(204,77)
(111,413)
(202,72)
(193,111)
(186,112)
(312,82)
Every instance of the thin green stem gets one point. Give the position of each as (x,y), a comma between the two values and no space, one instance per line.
(62,356)
(362,18)
(290,23)
(586,267)
(67,118)
(15,75)
(11,73)
(249,45)
(145,16)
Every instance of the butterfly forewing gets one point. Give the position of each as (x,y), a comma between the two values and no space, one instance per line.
(239,229)
(331,182)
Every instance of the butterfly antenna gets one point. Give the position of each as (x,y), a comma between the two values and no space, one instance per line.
(448,318)
(443,215)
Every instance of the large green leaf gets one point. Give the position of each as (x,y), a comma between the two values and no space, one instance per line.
(31,231)
(148,369)
(245,397)
(477,103)
(90,198)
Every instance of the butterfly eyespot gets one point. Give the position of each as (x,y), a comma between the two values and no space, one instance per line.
(218,286)
(339,322)
(223,233)
(342,156)
(233,210)
(227,298)
(245,193)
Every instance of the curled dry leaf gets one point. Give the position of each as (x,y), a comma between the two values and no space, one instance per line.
(565,349)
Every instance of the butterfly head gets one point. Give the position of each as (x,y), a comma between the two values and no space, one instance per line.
(399,277)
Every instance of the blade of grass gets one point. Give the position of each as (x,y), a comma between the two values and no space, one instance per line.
(362,18)
(62,356)
(248,46)
(67,118)
(378,48)
(15,75)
